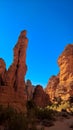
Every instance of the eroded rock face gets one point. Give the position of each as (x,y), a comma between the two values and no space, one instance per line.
(12,91)
(63,86)
(29,90)
(52,86)
(2,71)
(40,98)
(65,62)
(17,71)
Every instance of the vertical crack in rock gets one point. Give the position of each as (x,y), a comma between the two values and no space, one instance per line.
(17,71)
(17,66)
(12,82)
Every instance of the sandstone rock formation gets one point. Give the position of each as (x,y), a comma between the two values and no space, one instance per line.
(65,62)
(40,98)
(29,90)
(51,87)
(2,71)
(63,86)
(16,72)
(15,92)
(12,83)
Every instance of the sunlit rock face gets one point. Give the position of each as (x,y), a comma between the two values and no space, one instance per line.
(63,86)
(17,71)
(51,86)
(12,91)
(65,62)
(40,98)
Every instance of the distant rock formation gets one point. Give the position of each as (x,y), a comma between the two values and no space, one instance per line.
(29,90)
(40,98)
(62,85)
(12,83)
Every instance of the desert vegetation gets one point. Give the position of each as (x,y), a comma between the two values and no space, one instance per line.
(10,119)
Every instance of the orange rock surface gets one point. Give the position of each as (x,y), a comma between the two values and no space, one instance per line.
(51,87)
(12,85)
(64,86)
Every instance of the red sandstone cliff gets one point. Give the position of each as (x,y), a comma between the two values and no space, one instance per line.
(51,87)
(12,83)
(62,85)
(15,92)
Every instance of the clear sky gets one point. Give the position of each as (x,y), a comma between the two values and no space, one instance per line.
(49,25)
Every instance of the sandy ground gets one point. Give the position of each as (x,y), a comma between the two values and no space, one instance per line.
(62,124)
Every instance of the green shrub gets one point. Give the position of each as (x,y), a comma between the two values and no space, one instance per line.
(44,114)
(11,120)
(30,105)
(6,114)
(64,106)
(18,122)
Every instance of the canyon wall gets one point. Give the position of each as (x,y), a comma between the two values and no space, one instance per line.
(12,84)
(62,84)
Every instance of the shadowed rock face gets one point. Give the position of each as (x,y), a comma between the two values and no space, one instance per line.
(2,71)
(29,90)
(40,98)
(12,89)
(63,87)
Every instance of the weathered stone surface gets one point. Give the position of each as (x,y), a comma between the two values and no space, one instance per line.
(65,62)
(17,71)
(29,89)
(12,90)
(2,71)
(63,87)
(40,98)
(51,87)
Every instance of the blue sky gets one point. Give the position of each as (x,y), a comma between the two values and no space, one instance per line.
(49,25)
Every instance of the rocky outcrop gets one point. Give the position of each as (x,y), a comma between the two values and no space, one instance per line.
(51,87)
(2,71)
(65,62)
(29,90)
(12,83)
(15,92)
(16,72)
(40,98)
(63,86)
